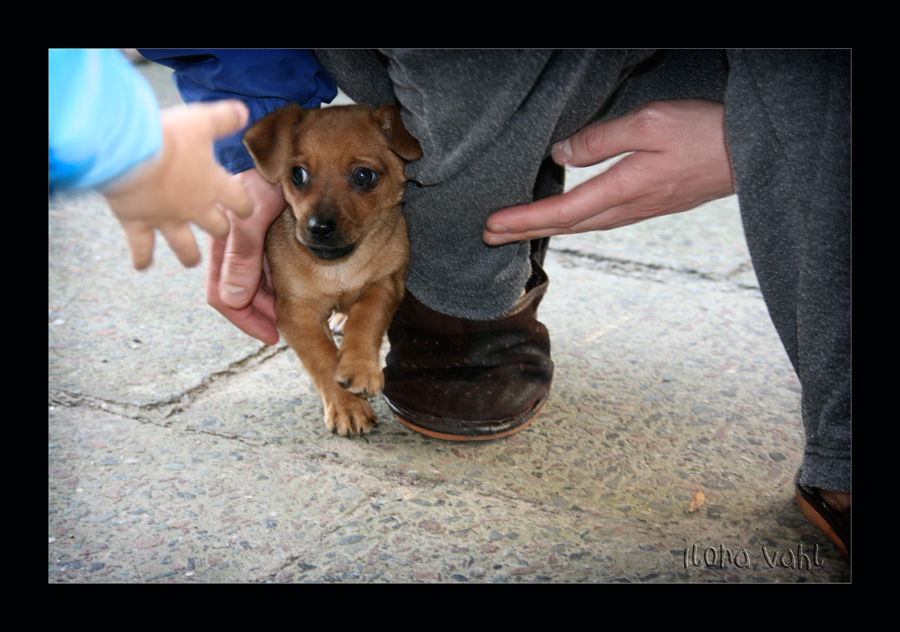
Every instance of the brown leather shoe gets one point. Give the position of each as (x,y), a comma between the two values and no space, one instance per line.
(834,524)
(464,380)
(470,380)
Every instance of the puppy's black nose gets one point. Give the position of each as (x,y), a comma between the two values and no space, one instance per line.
(321,227)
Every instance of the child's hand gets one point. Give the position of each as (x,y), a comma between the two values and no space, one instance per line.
(182,184)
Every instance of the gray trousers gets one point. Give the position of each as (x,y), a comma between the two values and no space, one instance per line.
(487,119)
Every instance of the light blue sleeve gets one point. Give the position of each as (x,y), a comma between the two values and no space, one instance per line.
(103,118)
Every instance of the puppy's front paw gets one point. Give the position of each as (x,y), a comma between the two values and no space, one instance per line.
(361,376)
(349,415)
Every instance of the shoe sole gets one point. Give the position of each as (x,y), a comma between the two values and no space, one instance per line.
(820,523)
(485,437)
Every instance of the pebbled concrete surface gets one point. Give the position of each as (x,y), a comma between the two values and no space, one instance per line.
(181,450)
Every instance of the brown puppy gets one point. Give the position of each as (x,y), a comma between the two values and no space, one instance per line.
(340,246)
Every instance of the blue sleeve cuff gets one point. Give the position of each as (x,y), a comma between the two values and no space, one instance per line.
(103,118)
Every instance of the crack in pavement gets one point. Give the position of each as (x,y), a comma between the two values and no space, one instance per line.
(650,271)
(178,403)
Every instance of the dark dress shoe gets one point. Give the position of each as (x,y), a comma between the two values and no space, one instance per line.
(462,380)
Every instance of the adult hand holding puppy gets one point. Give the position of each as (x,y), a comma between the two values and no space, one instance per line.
(182,184)
(679,161)
(238,283)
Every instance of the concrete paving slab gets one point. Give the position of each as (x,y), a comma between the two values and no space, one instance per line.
(180,450)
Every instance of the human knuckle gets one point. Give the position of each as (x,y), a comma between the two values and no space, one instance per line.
(589,142)
(652,118)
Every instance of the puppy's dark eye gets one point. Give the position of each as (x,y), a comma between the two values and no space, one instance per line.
(299,177)
(364,178)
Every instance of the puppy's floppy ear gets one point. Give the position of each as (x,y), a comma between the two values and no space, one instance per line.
(268,140)
(401,142)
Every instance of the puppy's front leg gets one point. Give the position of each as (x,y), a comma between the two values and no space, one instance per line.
(359,367)
(308,334)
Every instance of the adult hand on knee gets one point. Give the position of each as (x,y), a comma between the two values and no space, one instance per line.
(679,161)
(238,283)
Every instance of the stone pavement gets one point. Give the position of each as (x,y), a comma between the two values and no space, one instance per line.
(181,450)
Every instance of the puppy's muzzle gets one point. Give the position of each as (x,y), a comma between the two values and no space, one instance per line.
(322,239)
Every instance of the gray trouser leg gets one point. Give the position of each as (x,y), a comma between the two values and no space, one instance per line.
(787,122)
(485,120)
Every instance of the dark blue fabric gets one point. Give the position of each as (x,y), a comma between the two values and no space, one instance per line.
(263,79)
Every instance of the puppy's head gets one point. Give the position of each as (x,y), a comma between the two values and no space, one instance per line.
(341,169)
